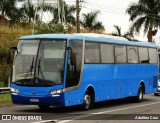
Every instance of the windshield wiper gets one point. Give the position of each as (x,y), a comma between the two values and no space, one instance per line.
(39,69)
(30,69)
(39,65)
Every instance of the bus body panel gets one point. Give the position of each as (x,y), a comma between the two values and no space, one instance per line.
(118,81)
(74,97)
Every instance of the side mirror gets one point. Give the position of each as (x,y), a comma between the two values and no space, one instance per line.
(9,54)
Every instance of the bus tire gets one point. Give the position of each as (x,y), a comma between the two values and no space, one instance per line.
(156,94)
(44,107)
(139,96)
(88,101)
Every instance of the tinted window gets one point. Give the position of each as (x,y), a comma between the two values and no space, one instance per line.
(153,55)
(50,61)
(132,54)
(77,50)
(143,55)
(92,53)
(120,54)
(107,53)
(74,63)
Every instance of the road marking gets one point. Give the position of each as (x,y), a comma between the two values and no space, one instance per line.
(126,108)
(12,106)
(83,116)
(44,121)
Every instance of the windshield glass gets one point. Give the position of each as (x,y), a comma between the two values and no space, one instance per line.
(25,58)
(50,62)
(39,62)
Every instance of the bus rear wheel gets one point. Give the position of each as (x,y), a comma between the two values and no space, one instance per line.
(139,96)
(88,101)
(156,94)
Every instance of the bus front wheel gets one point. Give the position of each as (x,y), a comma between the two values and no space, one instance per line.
(88,101)
(139,96)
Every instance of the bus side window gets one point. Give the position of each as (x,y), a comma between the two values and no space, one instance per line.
(153,56)
(132,54)
(92,53)
(143,55)
(74,63)
(120,54)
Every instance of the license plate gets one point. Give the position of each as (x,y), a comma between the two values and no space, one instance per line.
(34,100)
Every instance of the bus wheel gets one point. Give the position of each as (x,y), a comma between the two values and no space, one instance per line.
(87,101)
(139,96)
(44,107)
(156,94)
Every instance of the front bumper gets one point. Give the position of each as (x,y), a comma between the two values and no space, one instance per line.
(49,100)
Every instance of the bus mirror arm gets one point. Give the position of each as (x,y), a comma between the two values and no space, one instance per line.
(9,54)
(72,56)
(69,48)
(73,59)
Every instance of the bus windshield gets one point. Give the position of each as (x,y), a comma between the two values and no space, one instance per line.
(39,62)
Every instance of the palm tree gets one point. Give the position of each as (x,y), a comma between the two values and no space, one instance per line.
(68,10)
(90,22)
(29,10)
(128,35)
(145,13)
(7,8)
(117,31)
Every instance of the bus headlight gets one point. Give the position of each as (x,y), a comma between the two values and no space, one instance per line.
(13,90)
(56,91)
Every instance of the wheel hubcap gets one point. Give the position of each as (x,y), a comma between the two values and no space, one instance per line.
(87,100)
(140,94)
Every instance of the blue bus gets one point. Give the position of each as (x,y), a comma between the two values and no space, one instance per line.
(81,69)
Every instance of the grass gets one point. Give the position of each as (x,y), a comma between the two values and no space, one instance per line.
(5,99)
(2,84)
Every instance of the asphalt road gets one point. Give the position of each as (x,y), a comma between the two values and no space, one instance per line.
(122,110)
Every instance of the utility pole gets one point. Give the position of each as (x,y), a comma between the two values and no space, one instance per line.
(34,21)
(77,15)
(61,13)
(58,5)
(42,10)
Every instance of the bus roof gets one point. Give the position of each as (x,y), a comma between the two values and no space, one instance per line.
(90,37)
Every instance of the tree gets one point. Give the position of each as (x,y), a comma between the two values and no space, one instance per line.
(8,10)
(28,9)
(128,35)
(68,11)
(90,22)
(49,28)
(145,13)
